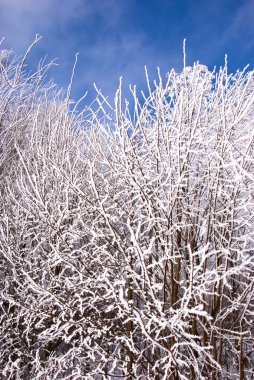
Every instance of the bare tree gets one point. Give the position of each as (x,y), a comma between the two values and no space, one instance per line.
(127,231)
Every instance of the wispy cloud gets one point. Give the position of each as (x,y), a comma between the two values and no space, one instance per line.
(241,28)
(98,30)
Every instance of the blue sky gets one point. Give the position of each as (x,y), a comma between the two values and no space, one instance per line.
(120,37)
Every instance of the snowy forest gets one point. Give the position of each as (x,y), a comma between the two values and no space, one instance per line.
(126,238)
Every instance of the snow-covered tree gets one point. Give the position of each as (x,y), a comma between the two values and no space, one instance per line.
(127,230)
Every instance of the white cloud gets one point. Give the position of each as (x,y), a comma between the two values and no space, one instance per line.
(94,28)
(21,20)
